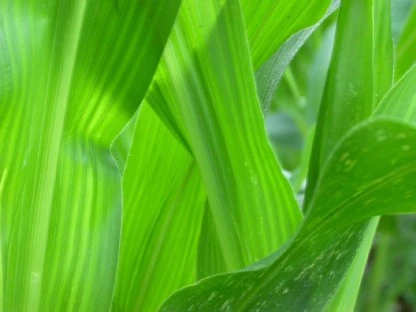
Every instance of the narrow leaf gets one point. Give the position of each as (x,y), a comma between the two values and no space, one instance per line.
(161,221)
(348,96)
(383,49)
(406,48)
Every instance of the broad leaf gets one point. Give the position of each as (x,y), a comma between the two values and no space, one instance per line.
(72,75)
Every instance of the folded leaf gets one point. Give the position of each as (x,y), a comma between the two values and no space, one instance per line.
(210,254)
(205,89)
(72,75)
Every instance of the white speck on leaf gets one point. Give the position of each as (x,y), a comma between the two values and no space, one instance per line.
(212,296)
(225,306)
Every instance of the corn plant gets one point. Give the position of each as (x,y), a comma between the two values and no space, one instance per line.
(136,173)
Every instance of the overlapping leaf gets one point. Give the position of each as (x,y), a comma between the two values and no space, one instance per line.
(163,203)
(400,102)
(269,75)
(348,97)
(205,84)
(382,82)
(179,77)
(319,257)
(270,23)
(264,297)
(72,75)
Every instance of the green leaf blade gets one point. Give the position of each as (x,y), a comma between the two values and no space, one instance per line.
(64,96)
(329,238)
(406,48)
(161,221)
(220,118)
(269,24)
(348,97)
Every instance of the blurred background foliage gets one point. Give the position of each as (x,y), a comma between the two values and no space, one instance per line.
(389,282)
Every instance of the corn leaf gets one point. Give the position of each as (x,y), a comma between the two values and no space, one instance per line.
(210,255)
(73,73)
(201,190)
(383,80)
(406,48)
(269,74)
(219,116)
(383,49)
(270,23)
(383,145)
(132,285)
(365,95)
(161,221)
(319,257)
(400,101)
(348,97)
(267,78)
(346,297)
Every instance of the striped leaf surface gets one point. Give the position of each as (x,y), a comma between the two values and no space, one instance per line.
(319,257)
(210,254)
(72,75)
